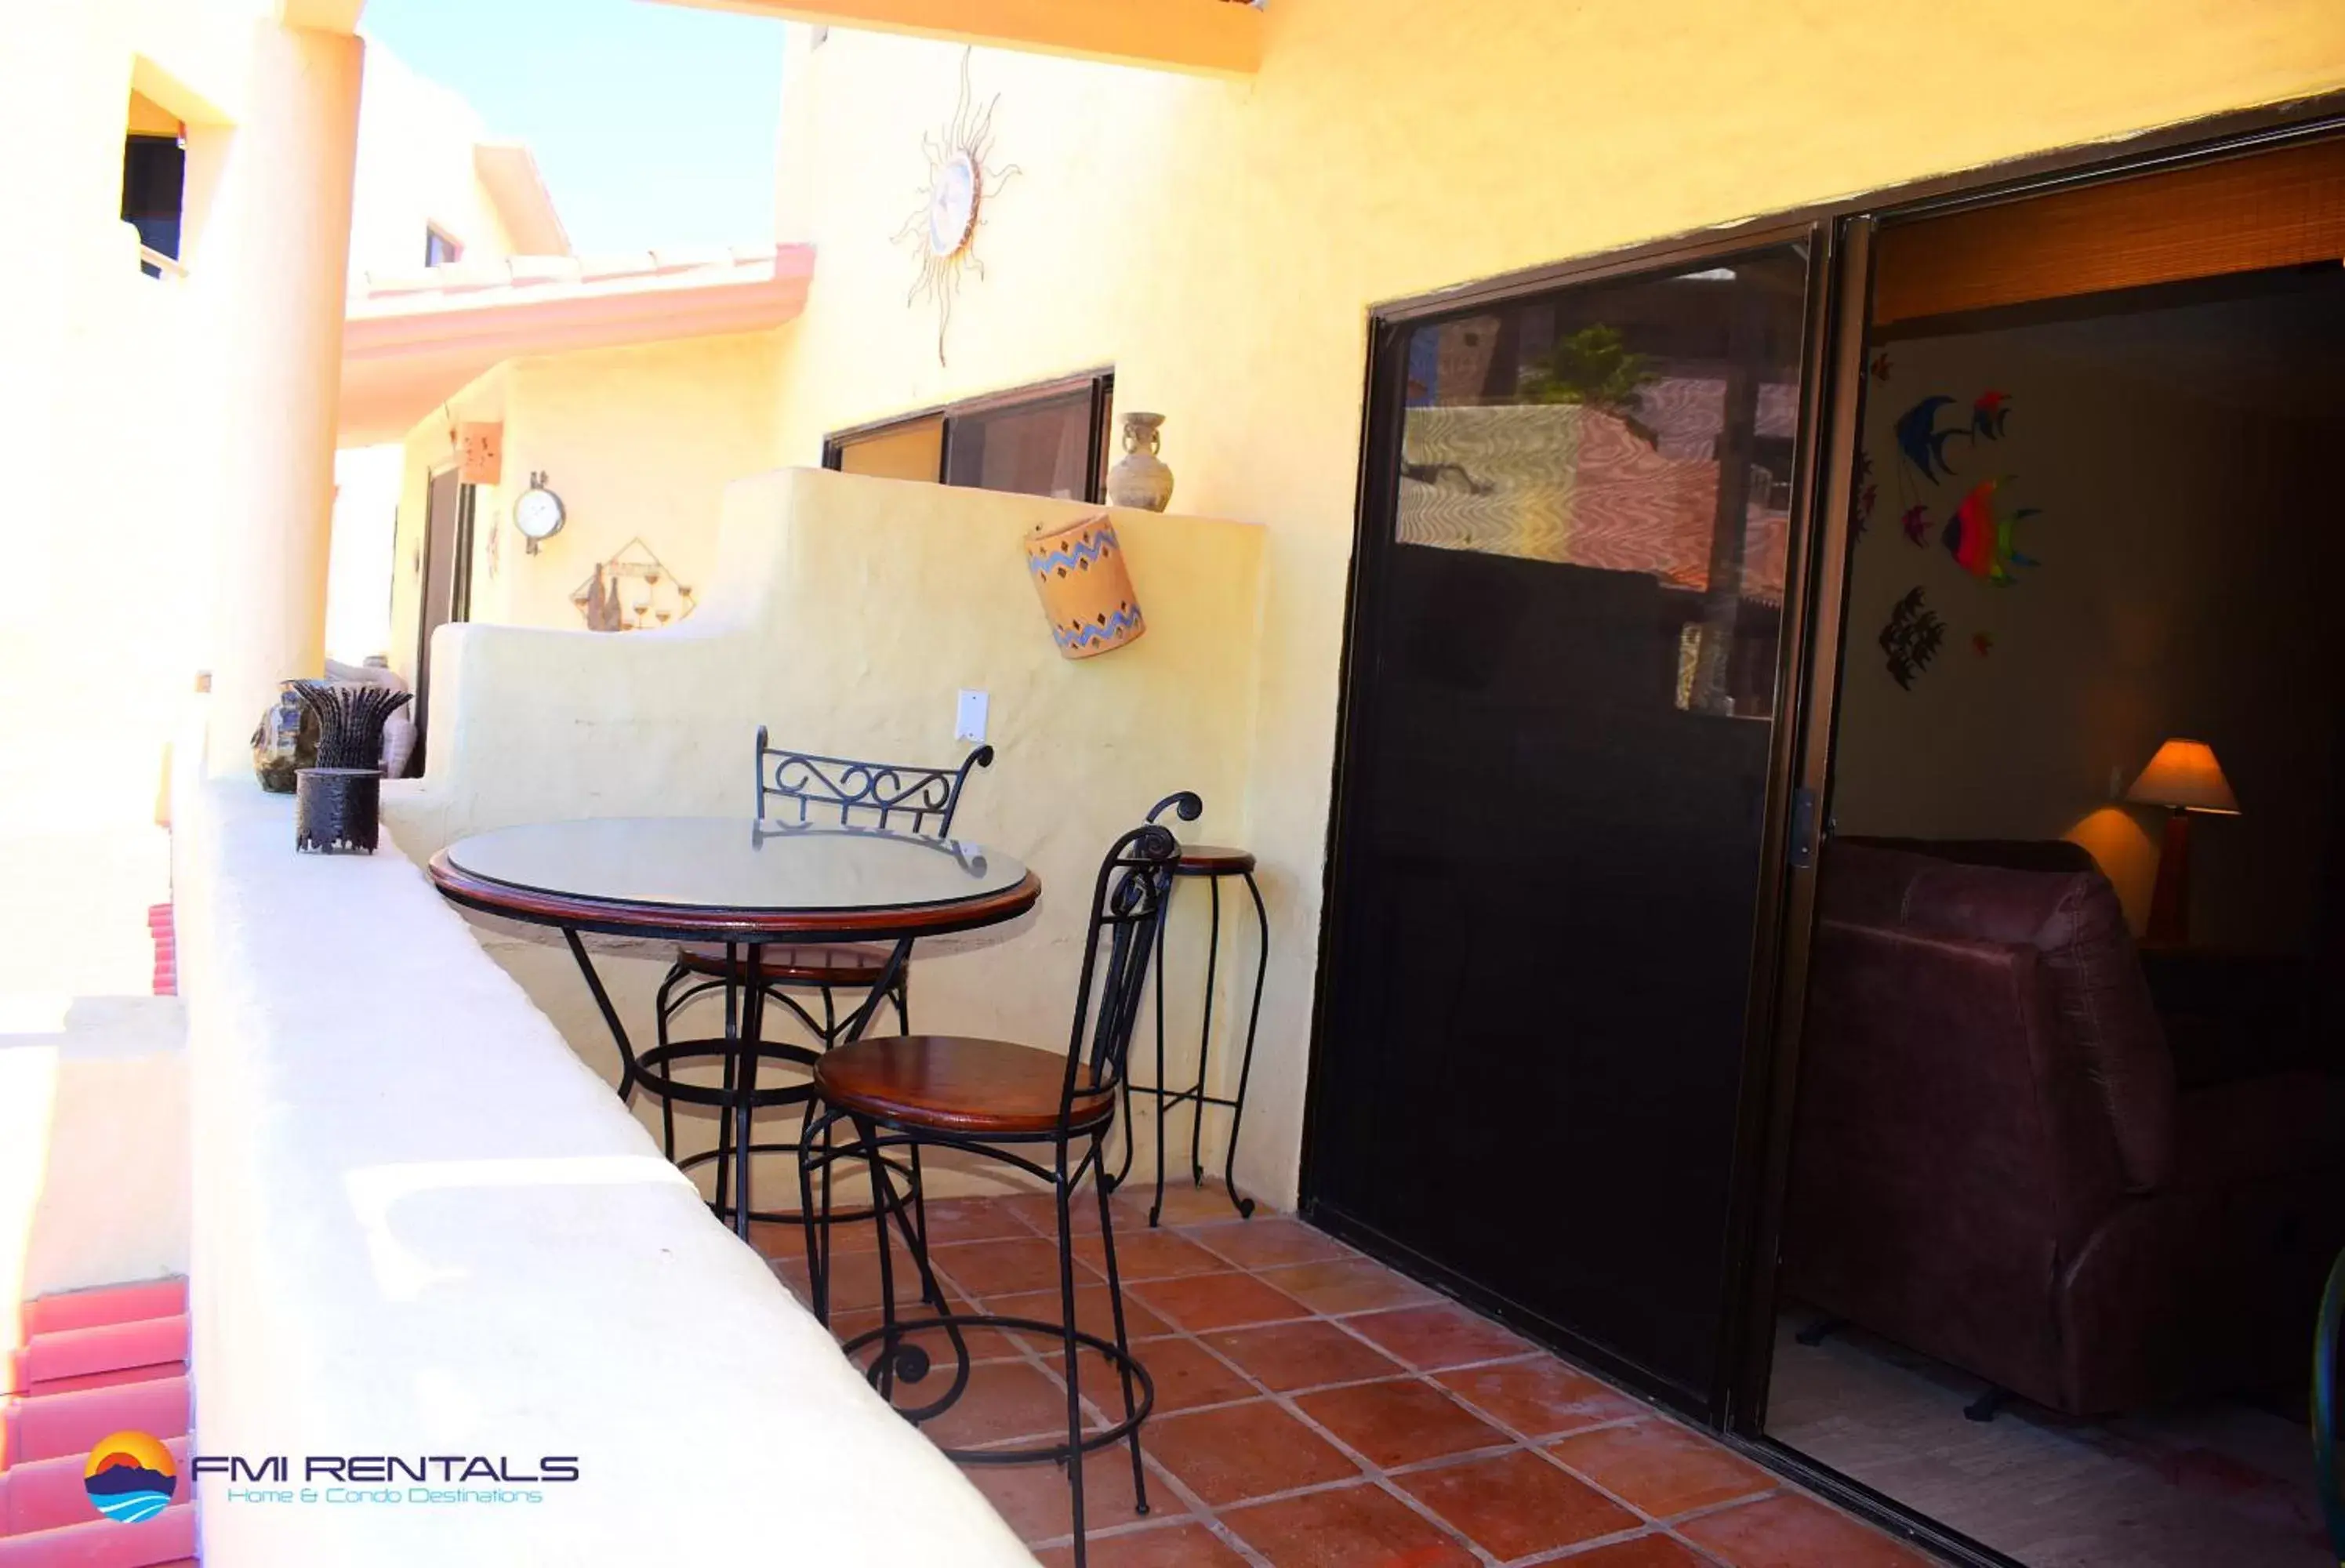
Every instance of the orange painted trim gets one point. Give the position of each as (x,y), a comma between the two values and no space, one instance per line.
(1208,37)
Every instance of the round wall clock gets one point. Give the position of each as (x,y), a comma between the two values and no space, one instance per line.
(538,512)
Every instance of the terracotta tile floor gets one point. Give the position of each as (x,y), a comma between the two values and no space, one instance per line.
(1316,1409)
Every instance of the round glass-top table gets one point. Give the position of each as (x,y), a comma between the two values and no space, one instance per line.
(746,884)
(717,878)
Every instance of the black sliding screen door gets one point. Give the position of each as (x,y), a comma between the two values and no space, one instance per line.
(1553,811)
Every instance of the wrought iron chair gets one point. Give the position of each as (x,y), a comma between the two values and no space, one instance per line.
(798,787)
(990,1099)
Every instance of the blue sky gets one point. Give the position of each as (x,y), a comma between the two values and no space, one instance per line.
(653,124)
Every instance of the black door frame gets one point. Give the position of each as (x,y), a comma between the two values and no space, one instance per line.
(459,594)
(1378,475)
(1808,674)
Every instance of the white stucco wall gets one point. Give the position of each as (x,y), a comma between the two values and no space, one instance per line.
(421,1227)
(93,1145)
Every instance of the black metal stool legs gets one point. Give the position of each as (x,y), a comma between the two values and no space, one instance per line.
(1115,1306)
(744,1096)
(1246,1062)
(1197,1095)
(907,1347)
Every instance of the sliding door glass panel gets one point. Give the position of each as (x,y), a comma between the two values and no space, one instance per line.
(1035,449)
(1559,717)
(913,449)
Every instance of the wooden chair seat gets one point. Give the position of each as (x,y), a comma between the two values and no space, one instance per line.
(809,964)
(1213,860)
(954,1082)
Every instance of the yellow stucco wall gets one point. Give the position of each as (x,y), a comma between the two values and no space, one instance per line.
(415,170)
(1219,242)
(845,614)
(106,534)
(638,442)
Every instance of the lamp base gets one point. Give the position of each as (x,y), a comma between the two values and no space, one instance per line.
(2169,904)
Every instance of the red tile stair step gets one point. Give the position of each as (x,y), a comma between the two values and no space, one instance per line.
(100,1356)
(109,1304)
(50,1426)
(46,1494)
(160,927)
(166,1541)
(94,1363)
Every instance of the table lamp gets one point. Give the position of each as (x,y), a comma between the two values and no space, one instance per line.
(2184,777)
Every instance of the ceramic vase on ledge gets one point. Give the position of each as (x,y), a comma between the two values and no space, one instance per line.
(1138,477)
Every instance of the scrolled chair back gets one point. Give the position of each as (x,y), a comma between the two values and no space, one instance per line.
(806,787)
(1128,902)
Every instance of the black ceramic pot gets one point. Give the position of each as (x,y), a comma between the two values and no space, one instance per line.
(337,811)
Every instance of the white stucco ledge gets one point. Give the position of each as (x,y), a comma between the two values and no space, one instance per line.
(421,1228)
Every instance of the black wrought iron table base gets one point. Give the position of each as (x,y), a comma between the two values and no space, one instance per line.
(737,1099)
(1215,866)
(654,1072)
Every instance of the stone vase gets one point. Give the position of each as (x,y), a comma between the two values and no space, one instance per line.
(1139,478)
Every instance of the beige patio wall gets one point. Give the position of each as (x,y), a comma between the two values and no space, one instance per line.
(639,442)
(845,614)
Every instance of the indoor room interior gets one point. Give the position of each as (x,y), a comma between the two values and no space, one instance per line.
(2068,1163)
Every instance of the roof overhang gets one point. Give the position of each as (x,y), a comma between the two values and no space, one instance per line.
(508,172)
(325,16)
(1211,38)
(409,343)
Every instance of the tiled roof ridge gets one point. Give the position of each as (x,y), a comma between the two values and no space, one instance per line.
(522,272)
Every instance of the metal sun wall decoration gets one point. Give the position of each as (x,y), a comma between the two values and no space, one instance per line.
(942,229)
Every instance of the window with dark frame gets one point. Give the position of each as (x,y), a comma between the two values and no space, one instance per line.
(1049,440)
(439,249)
(154,183)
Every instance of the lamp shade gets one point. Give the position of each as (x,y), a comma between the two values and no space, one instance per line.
(2185,775)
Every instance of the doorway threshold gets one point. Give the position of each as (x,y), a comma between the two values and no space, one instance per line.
(1873,1507)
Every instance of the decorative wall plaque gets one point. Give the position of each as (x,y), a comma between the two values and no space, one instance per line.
(632,591)
(480,453)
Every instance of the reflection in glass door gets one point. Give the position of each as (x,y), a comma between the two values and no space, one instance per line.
(1578,522)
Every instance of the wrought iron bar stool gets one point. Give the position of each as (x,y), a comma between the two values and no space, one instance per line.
(987,1098)
(804,788)
(1212,863)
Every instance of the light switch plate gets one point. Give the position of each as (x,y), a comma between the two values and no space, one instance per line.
(968,717)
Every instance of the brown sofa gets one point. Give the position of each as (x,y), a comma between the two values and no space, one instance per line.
(1992,1163)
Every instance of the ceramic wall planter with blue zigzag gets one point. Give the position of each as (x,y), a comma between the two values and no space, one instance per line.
(1086,588)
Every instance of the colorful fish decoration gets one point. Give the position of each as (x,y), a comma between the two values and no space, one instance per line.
(1921,443)
(1911,638)
(1983,643)
(1980,540)
(1988,413)
(1916,523)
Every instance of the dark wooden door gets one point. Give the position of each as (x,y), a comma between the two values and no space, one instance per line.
(447,583)
(1556,801)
